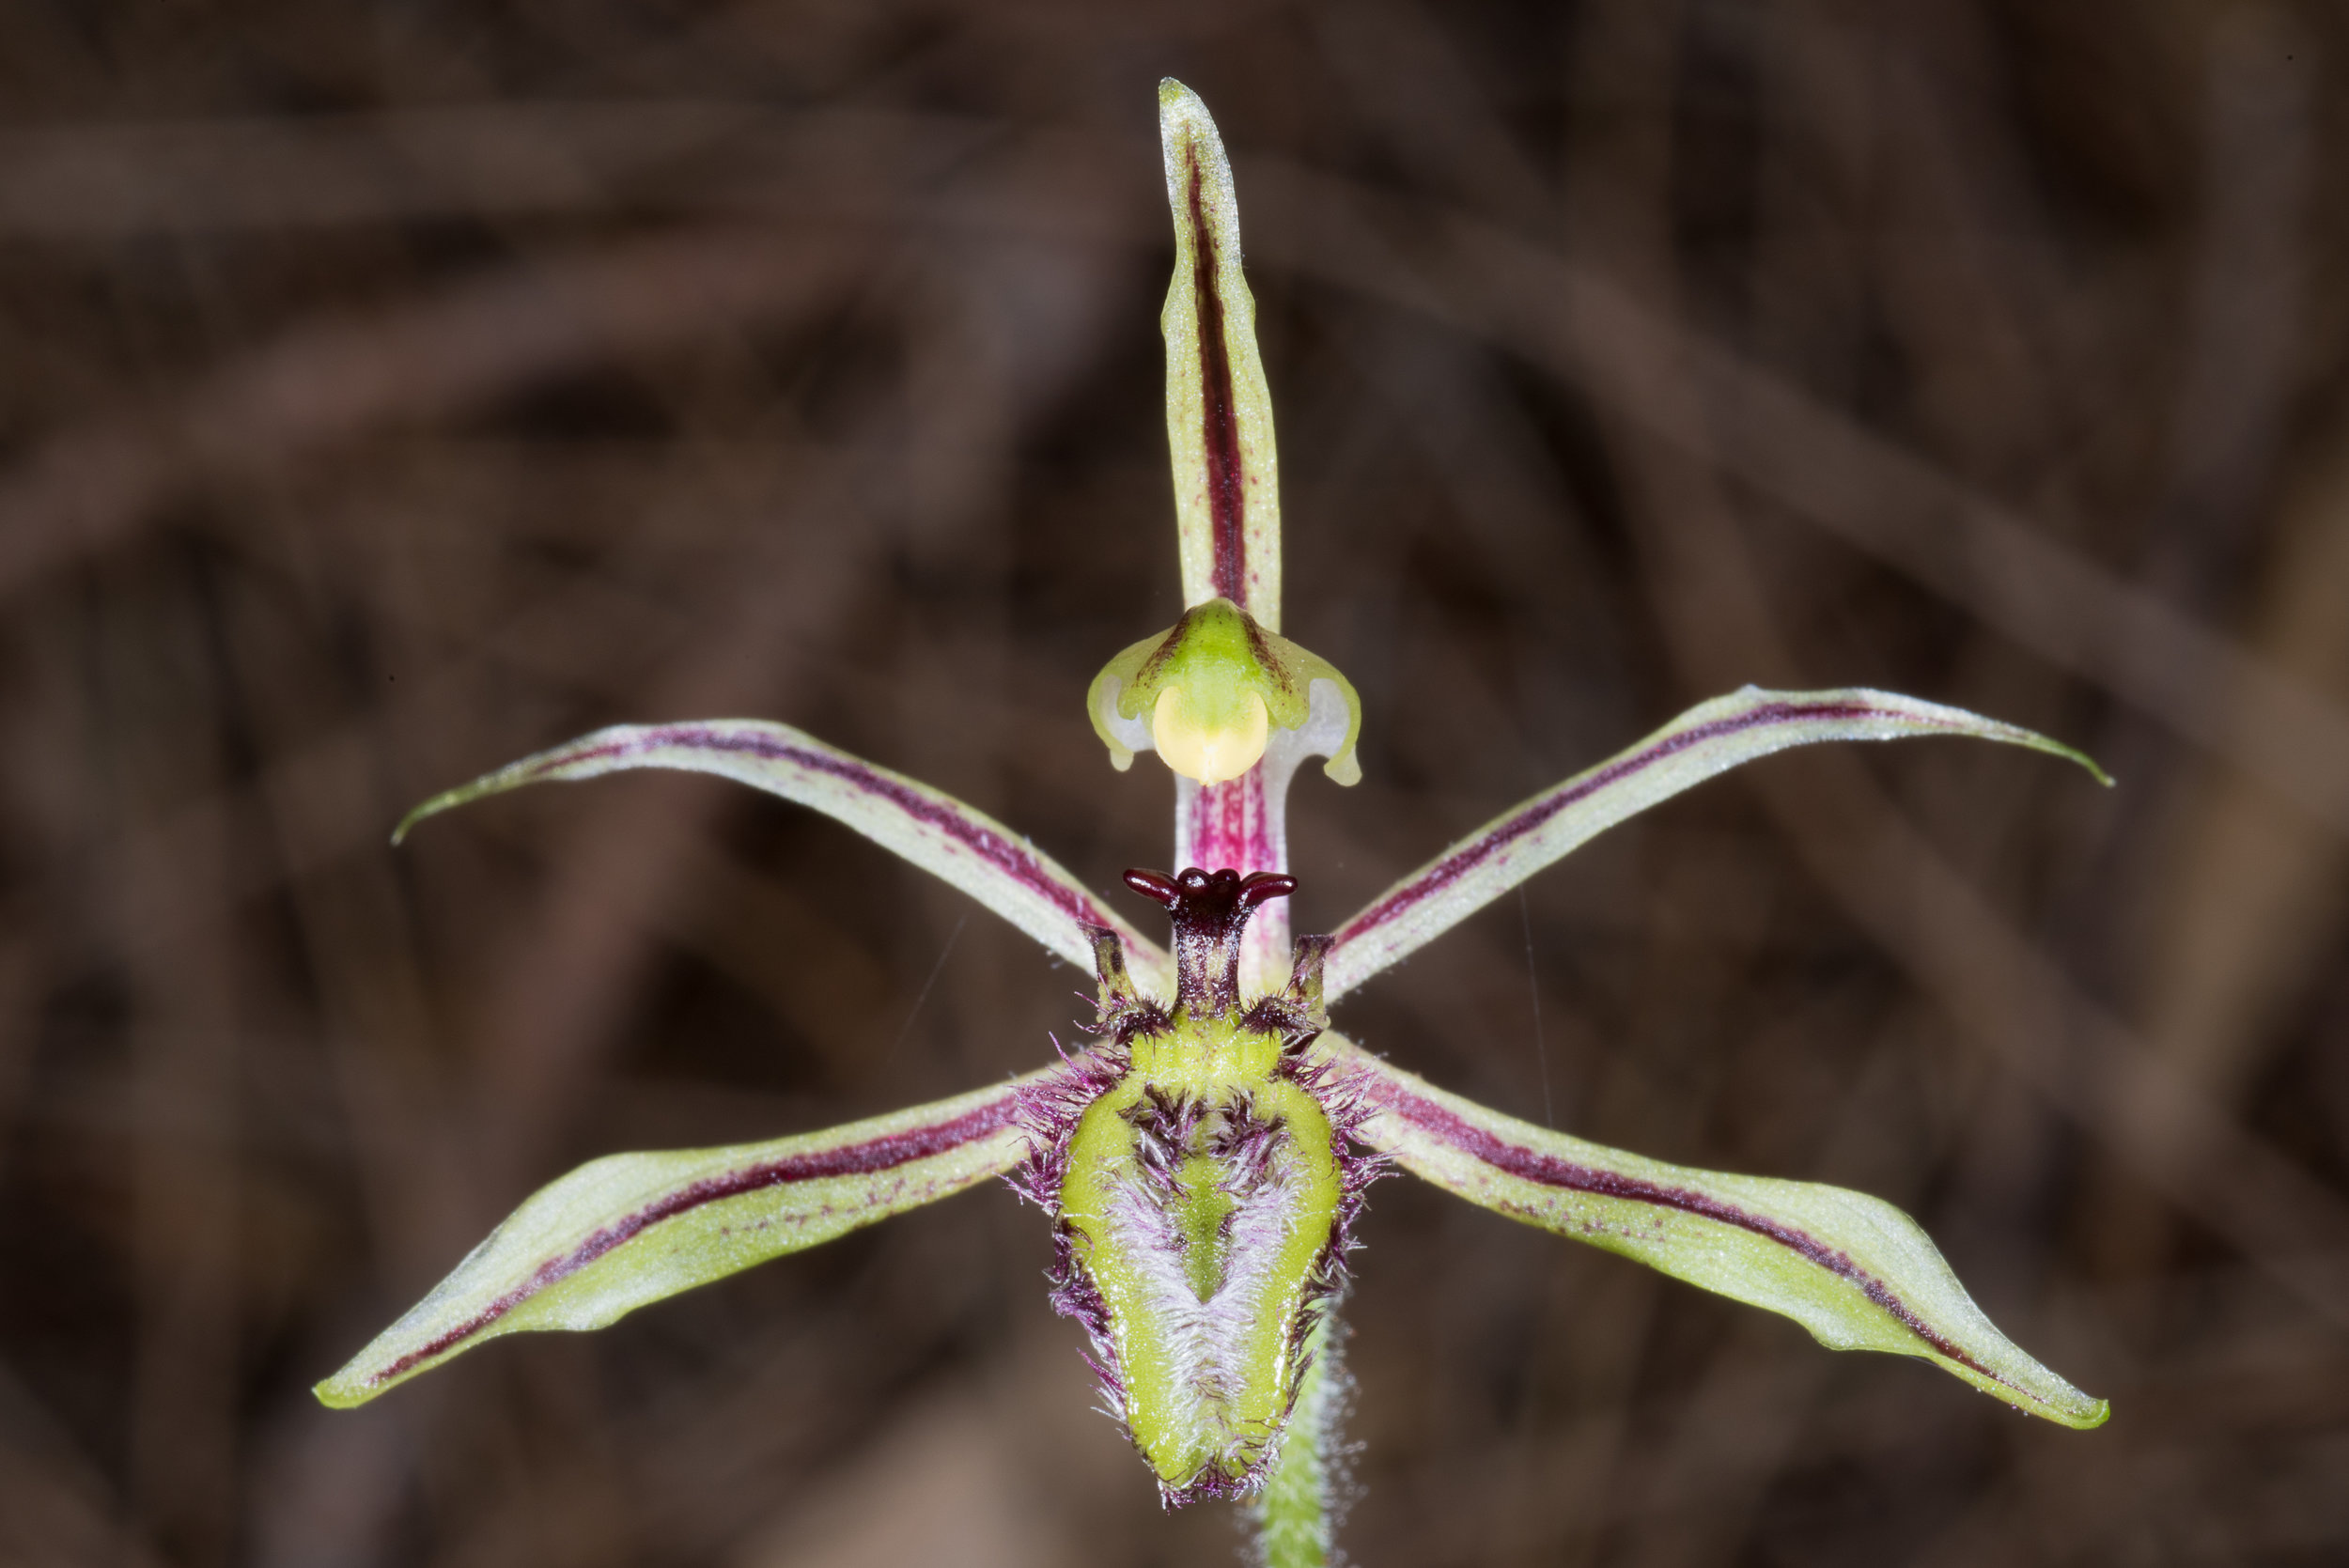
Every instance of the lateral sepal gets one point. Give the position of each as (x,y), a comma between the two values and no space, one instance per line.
(628,1230)
(1855,1271)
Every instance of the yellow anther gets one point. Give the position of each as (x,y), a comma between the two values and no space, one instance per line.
(1212,744)
(1209,693)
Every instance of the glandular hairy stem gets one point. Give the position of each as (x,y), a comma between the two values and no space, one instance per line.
(1296,1517)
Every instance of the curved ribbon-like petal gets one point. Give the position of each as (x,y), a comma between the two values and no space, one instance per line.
(622,1232)
(1709,738)
(931,828)
(1853,1269)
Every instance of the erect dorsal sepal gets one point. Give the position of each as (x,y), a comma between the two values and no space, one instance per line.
(1210,909)
(1219,411)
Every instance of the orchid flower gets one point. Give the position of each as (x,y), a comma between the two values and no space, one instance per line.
(1202,1158)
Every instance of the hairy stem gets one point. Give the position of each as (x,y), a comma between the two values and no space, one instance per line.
(1297,1516)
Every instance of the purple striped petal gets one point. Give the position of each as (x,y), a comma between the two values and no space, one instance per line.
(1707,739)
(931,828)
(1853,1269)
(622,1232)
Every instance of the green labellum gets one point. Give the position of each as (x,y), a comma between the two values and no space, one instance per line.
(1202,1187)
(1203,1190)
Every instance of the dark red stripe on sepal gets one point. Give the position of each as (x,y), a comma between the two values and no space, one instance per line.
(1218,415)
(886,1152)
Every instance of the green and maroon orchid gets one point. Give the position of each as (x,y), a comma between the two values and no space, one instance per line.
(1203,1157)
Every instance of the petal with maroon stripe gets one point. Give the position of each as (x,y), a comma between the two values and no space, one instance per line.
(1709,738)
(626,1231)
(1853,1269)
(931,828)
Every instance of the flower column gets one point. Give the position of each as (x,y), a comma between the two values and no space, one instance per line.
(1226,702)
(1227,486)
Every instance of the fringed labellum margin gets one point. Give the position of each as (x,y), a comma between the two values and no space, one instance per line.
(1203,1182)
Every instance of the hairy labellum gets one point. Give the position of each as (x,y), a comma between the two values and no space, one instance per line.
(1201,1179)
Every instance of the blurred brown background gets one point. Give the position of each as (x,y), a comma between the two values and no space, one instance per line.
(388,390)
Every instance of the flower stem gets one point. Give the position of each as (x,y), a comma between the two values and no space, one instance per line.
(1297,1516)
